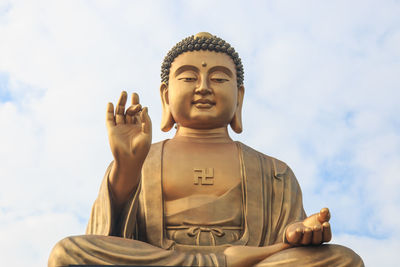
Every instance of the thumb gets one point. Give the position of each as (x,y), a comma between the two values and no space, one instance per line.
(146,121)
(324,215)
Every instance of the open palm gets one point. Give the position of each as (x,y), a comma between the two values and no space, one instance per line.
(129,131)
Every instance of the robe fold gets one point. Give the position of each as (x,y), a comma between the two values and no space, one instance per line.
(272,200)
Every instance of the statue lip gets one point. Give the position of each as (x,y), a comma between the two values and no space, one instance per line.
(203,101)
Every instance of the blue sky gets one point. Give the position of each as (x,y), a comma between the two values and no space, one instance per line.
(5,94)
(322,94)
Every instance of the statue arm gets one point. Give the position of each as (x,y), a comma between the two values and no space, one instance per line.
(297,228)
(287,212)
(106,217)
(129,134)
(287,207)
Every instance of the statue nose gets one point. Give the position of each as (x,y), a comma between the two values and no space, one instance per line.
(203,90)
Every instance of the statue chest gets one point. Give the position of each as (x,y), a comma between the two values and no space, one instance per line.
(199,169)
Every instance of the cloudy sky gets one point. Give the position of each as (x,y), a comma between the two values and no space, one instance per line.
(322,94)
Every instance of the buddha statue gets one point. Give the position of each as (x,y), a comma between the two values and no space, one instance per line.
(200,198)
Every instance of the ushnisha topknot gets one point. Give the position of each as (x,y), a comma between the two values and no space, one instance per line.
(202,41)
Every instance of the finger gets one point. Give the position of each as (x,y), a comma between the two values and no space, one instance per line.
(129,119)
(135,99)
(132,110)
(136,119)
(146,122)
(324,215)
(307,236)
(110,119)
(294,237)
(119,119)
(121,103)
(120,109)
(317,235)
(326,232)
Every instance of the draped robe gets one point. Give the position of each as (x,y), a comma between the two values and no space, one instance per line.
(272,200)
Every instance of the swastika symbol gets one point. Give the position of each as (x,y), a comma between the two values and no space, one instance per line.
(204,175)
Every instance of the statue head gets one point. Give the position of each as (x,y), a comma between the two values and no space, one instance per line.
(202,84)
(202,41)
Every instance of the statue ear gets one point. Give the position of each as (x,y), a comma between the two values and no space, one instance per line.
(167,121)
(236,123)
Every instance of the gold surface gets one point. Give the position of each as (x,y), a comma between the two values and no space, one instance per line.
(203,34)
(199,199)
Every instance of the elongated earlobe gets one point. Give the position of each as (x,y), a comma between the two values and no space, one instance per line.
(167,121)
(236,123)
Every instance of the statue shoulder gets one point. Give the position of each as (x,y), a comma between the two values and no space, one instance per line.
(157,146)
(279,167)
(155,152)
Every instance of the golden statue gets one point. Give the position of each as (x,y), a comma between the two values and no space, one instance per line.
(199,199)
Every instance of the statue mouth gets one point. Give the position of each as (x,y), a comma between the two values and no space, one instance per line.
(203,103)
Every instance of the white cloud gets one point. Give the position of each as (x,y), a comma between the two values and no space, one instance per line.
(374,252)
(27,238)
(323,76)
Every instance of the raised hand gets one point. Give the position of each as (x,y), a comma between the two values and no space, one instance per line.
(314,230)
(129,134)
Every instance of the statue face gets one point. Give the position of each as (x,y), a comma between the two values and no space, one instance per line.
(202,91)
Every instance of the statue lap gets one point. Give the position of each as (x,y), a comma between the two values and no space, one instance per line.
(108,250)
(312,256)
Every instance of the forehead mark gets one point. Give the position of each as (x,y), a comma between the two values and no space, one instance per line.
(204,64)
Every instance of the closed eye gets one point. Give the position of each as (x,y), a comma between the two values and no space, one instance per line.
(219,80)
(187,79)
(218,76)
